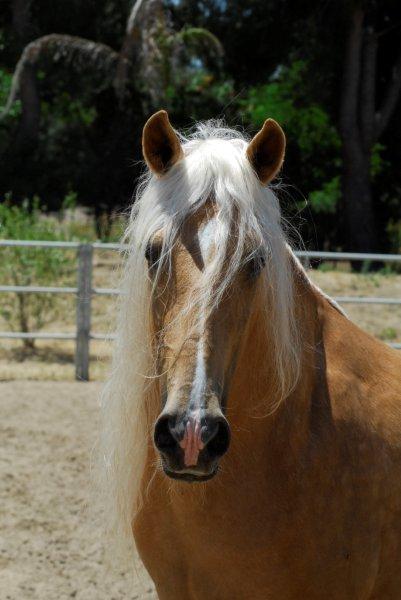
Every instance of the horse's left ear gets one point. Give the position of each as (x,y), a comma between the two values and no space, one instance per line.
(266,151)
(160,145)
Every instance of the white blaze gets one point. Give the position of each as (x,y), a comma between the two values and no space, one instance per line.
(206,237)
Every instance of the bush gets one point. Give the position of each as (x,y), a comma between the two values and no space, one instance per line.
(28,312)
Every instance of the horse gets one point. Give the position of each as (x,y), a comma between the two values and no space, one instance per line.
(251,444)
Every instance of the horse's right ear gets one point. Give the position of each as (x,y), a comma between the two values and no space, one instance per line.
(161,147)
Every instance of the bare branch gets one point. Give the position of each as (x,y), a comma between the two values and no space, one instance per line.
(129,49)
(137,29)
(200,40)
(132,18)
(78,53)
(391,98)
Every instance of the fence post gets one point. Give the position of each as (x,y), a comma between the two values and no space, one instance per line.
(83,315)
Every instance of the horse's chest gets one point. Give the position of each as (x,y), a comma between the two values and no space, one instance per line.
(202,550)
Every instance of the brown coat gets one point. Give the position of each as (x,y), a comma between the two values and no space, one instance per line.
(308,501)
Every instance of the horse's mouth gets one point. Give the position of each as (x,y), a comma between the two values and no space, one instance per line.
(190,477)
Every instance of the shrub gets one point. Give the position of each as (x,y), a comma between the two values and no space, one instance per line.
(28,312)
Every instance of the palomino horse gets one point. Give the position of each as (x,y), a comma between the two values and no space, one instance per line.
(252,437)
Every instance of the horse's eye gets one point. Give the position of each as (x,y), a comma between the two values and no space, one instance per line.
(256,264)
(153,253)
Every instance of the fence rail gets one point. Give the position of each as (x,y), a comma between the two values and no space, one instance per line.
(84,292)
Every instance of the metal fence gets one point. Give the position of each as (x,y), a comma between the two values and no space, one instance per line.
(84,292)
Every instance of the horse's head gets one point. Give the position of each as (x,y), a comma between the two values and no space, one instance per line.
(205,269)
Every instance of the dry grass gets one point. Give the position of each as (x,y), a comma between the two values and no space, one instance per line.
(54,360)
(382,321)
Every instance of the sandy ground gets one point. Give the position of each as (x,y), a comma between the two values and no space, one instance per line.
(49,549)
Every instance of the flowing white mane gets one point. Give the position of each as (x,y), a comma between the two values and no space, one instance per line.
(215,167)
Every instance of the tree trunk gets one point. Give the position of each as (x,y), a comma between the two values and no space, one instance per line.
(361,231)
(30,119)
(28,89)
(23,322)
(356,106)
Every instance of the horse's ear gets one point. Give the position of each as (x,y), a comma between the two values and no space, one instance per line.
(160,145)
(266,151)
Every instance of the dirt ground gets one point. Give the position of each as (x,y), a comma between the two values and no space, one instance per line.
(49,548)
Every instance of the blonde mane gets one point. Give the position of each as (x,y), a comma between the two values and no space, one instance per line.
(214,167)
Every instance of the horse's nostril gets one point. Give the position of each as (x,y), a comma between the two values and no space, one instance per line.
(176,438)
(163,437)
(219,441)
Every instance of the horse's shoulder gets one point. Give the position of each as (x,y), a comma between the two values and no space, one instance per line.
(363,377)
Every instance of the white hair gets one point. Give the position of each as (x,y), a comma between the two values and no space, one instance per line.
(214,167)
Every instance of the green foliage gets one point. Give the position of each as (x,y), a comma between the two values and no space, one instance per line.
(70,200)
(394,233)
(31,266)
(325,200)
(285,98)
(5,86)
(8,124)
(388,334)
(326,267)
(310,131)
(190,63)
(366,270)
(377,162)
(68,110)
(233,59)
(201,43)
(198,95)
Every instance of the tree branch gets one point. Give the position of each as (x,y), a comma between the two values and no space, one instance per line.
(391,98)
(129,49)
(78,53)
(142,14)
(132,17)
(200,40)
(28,89)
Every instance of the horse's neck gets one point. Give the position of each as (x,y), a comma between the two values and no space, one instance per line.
(253,403)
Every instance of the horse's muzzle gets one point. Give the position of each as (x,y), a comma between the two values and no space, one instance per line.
(191,447)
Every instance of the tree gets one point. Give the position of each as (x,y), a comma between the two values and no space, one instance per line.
(126,86)
(28,130)
(89,90)
(312,154)
(363,121)
(262,39)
